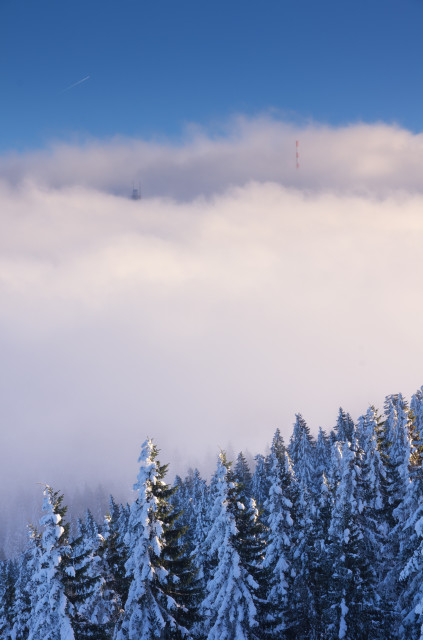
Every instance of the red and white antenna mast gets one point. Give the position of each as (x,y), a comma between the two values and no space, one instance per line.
(297,154)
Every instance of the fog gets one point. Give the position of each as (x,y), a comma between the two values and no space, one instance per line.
(236,293)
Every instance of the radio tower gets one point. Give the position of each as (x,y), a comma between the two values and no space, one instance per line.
(297,154)
(136,193)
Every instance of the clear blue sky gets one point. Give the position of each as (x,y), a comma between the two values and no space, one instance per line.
(155,66)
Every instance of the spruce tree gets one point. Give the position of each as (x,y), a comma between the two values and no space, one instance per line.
(243,475)
(50,617)
(183,584)
(186,500)
(322,456)
(344,428)
(353,605)
(229,609)
(396,447)
(84,585)
(203,562)
(250,542)
(151,611)
(28,563)
(260,481)
(7,598)
(411,532)
(411,581)
(372,496)
(302,610)
(279,507)
(115,552)
(302,453)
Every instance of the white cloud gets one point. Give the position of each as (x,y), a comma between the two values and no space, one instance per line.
(211,316)
(357,158)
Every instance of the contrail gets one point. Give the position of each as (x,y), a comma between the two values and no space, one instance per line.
(75,84)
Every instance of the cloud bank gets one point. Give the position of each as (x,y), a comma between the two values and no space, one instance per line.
(237,292)
(359,158)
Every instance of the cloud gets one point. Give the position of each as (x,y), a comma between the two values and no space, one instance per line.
(358,158)
(236,293)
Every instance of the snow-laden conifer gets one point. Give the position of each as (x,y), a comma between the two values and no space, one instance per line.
(250,541)
(279,508)
(243,474)
(187,500)
(353,604)
(301,598)
(50,617)
(8,574)
(372,498)
(416,431)
(260,481)
(411,533)
(344,428)
(396,446)
(149,609)
(411,576)
(115,551)
(322,455)
(93,611)
(373,482)
(199,529)
(411,579)
(229,611)
(301,451)
(27,565)
(113,587)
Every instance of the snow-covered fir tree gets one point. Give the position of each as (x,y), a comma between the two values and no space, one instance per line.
(279,507)
(260,481)
(411,580)
(243,475)
(344,428)
(353,604)
(302,453)
(411,533)
(27,565)
(115,552)
(150,610)
(396,448)
(92,609)
(301,598)
(202,562)
(229,609)
(8,573)
(50,617)
(322,455)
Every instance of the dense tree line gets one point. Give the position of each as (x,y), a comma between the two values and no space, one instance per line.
(323,539)
(20,505)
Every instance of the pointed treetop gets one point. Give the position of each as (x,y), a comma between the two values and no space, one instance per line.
(344,427)
(243,474)
(278,445)
(148,468)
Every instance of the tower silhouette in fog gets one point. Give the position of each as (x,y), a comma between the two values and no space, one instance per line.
(136,193)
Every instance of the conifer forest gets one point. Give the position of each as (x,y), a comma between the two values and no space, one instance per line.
(322,539)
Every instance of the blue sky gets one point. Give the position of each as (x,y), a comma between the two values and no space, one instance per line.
(154,67)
